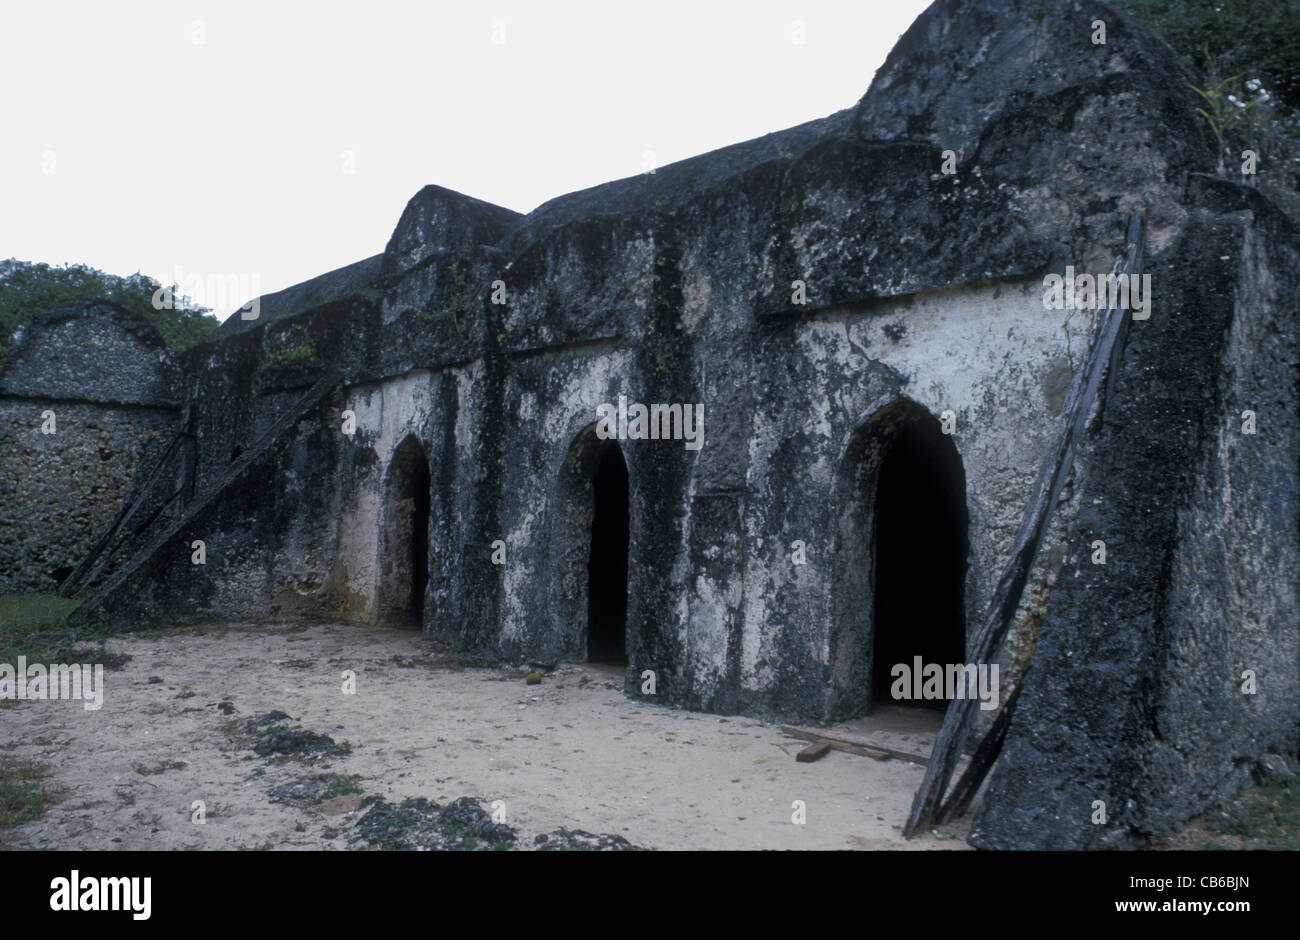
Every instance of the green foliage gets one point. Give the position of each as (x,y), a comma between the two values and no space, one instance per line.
(337,785)
(35,626)
(1256,106)
(1259,39)
(28,288)
(1224,115)
(301,352)
(457,310)
(289,344)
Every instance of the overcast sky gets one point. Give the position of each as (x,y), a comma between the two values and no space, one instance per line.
(275,141)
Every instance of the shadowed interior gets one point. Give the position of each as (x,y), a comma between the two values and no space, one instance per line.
(921,547)
(407,535)
(607,568)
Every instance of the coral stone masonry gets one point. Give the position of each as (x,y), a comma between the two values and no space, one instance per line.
(852,313)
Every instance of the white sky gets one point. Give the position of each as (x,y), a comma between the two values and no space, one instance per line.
(225,158)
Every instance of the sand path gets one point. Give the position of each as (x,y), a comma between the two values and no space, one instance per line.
(572,752)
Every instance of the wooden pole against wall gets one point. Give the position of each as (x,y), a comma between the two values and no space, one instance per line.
(1104,348)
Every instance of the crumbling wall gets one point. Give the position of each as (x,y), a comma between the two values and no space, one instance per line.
(1137,701)
(83,400)
(801,286)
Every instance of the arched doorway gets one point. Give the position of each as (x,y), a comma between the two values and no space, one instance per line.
(607,567)
(920,557)
(590,552)
(898,558)
(405,542)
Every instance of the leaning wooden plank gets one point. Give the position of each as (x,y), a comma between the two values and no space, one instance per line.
(1103,351)
(876,751)
(78,578)
(813,752)
(107,555)
(101,554)
(232,473)
(985,754)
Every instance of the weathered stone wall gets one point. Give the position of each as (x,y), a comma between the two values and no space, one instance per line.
(92,351)
(748,629)
(1137,696)
(106,376)
(924,295)
(738,636)
(268,545)
(63,490)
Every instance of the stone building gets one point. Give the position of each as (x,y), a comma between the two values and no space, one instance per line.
(857,306)
(82,399)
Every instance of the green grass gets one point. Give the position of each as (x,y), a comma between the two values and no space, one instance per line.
(36,626)
(24,795)
(1265,817)
(459,836)
(33,625)
(338,785)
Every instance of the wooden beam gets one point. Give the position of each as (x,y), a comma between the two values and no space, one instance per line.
(1104,349)
(969,783)
(875,751)
(79,577)
(813,752)
(229,477)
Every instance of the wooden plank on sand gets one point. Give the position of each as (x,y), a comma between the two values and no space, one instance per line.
(814,751)
(874,751)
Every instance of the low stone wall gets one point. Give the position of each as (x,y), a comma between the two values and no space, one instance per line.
(63,489)
(83,398)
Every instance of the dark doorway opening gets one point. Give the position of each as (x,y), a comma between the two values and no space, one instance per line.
(920,557)
(607,567)
(420,484)
(406,536)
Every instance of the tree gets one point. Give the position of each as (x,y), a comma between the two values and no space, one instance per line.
(27,288)
(1247,54)
(1258,40)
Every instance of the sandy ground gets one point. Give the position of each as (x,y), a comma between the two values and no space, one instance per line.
(571,752)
